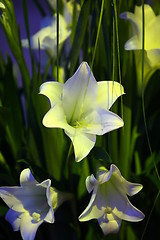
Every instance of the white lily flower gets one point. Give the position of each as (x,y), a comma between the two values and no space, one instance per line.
(109,203)
(46,37)
(151,39)
(67,11)
(81,106)
(31,204)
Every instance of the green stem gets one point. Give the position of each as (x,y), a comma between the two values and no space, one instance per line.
(98,31)
(118,51)
(73,200)
(149,217)
(69,163)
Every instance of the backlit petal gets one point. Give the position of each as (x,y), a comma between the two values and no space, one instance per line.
(119,203)
(115,189)
(50,40)
(109,223)
(149,13)
(55,118)
(100,121)
(26,177)
(103,175)
(2,6)
(151,28)
(131,188)
(133,44)
(108,92)
(50,216)
(135,19)
(154,57)
(129,212)
(91,181)
(52,196)
(37,39)
(82,142)
(52,90)
(28,227)
(26,198)
(79,93)
(95,208)
(10,197)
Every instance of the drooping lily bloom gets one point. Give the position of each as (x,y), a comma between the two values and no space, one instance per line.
(151,39)
(31,204)
(46,37)
(81,106)
(109,203)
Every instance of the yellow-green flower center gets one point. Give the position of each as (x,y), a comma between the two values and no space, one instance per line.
(36,216)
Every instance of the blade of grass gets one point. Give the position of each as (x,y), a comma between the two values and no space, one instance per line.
(26,20)
(113,136)
(79,35)
(118,50)
(8,22)
(98,31)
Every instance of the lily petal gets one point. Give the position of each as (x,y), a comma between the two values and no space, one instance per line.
(28,227)
(9,196)
(131,188)
(50,216)
(94,209)
(135,19)
(108,92)
(109,223)
(133,44)
(47,184)
(103,175)
(151,28)
(50,40)
(82,142)
(121,206)
(154,57)
(55,118)
(79,93)
(2,6)
(130,213)
(37,39)
(27,178)
(52,90)
(149,13)
(100,121)
(91,181)
(14,219)
(25,199)
(51,195)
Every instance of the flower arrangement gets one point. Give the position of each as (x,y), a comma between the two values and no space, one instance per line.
(79,120)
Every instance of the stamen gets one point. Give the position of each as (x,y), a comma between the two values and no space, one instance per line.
(36,217)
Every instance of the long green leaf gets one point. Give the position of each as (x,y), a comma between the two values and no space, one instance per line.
(79,35)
